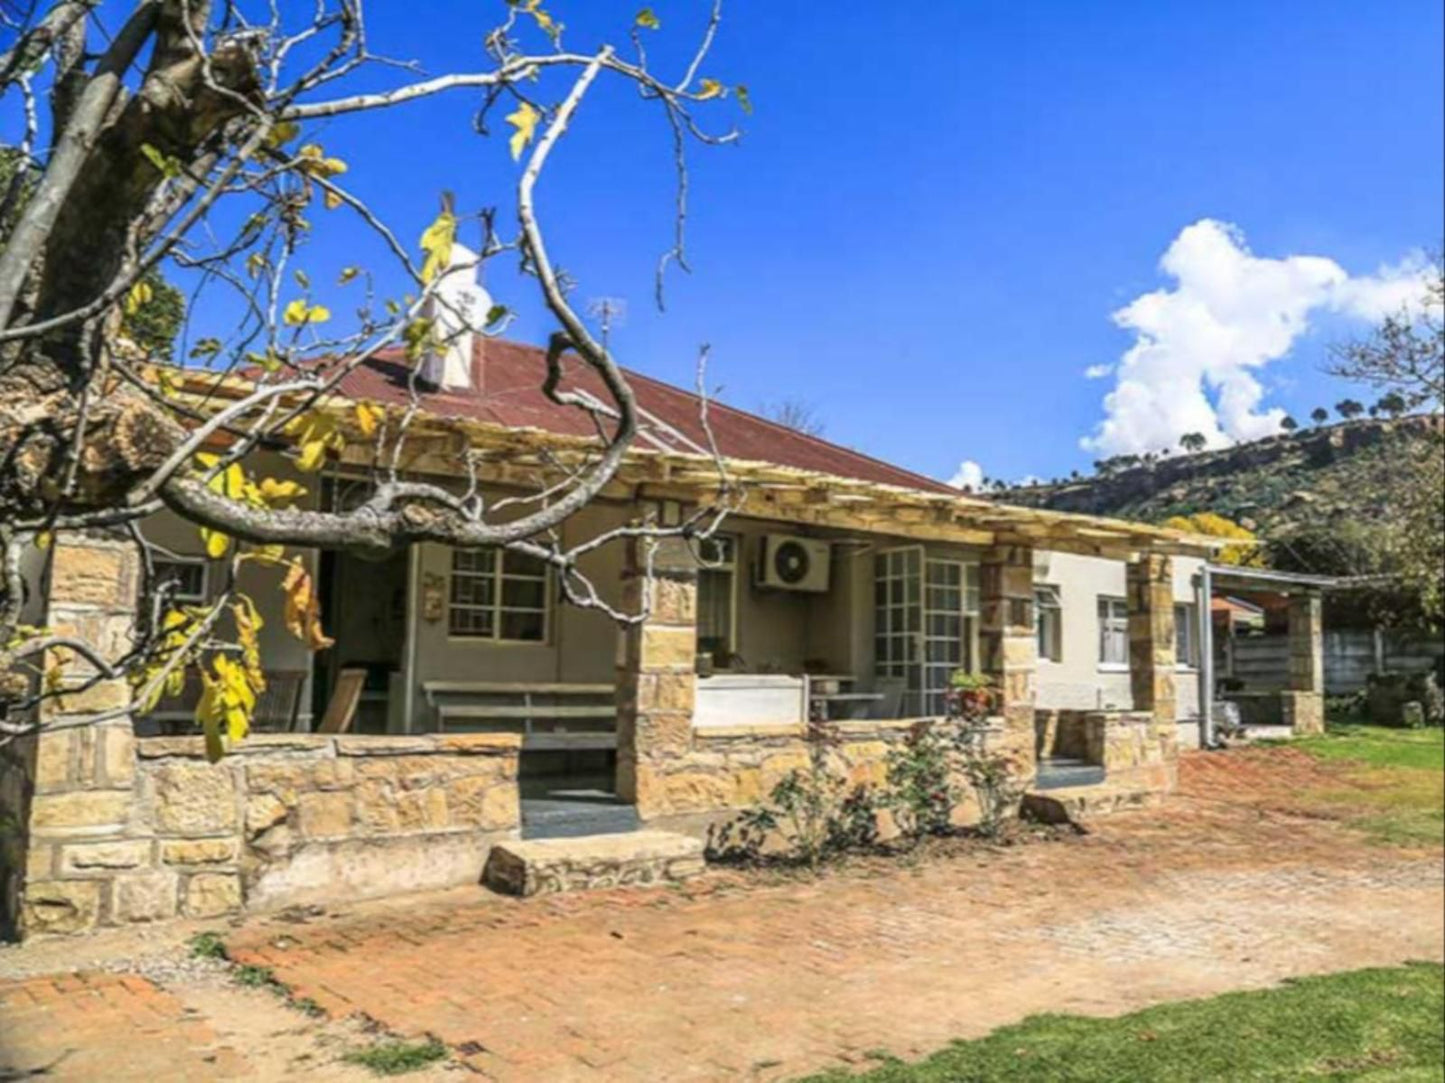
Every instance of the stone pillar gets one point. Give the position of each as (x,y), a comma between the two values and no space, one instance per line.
(1151,635)
(1009,644)
(1304,701)
(657,677)
(89,862)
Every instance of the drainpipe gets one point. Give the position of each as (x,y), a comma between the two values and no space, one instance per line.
(1206,658)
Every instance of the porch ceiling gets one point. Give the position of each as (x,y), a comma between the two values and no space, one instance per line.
(529,457)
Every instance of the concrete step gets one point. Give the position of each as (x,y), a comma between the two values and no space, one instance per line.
(567,815)
(543,866)
(1058,772)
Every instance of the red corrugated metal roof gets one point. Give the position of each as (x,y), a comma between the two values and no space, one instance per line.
(507,390)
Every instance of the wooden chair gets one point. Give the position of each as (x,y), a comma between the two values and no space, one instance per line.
(341,710)
(278,706)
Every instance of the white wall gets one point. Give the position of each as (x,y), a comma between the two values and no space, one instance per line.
(1078,679)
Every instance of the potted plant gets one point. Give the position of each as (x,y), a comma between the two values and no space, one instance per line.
(970,695)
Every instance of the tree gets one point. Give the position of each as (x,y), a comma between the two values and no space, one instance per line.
(1405,353)
(1193,442)
(1247,549)
(1349,408)
(185,137)
(1405,356)
(1392,403)
(1319,415)
(1288,424)
(796,414)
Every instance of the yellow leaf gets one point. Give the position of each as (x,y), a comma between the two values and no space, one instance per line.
(303,612)
(216,542)
(312,457)
(709,88)
(44,539)
(276,492)
(525,121)
(331,199)
(140,294)
(647,20)
(368,416)
(436,242)
(347,274)
(283,132)
(298,313)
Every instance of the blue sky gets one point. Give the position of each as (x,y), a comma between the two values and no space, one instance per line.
(936,208)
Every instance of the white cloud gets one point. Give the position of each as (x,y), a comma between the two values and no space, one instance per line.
(969,475)
(1097,372)
(1199,344)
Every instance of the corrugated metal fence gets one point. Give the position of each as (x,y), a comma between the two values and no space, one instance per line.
(1351,655)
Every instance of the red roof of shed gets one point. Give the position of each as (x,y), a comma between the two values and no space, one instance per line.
(507,390)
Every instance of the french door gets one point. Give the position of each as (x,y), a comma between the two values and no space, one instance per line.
(926,624)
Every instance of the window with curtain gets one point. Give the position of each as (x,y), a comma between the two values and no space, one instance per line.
(498,595)
(1048,621)
(1113,632)
(716,591)
(1185,639)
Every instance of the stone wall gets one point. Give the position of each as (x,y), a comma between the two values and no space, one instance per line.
(282,820)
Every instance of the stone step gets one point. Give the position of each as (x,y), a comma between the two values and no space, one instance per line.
(637,858)
(1074,804)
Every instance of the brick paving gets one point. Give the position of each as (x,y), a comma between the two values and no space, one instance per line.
(765,981)
(765,977)
(106,1026)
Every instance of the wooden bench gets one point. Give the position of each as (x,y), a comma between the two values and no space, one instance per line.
(550,717)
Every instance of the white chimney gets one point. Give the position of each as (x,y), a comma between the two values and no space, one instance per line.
(458,304)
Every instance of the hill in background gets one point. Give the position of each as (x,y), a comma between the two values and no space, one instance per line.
(1330,476)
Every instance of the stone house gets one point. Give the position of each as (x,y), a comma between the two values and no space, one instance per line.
(842,588)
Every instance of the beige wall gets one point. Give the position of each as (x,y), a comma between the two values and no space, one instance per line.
(1078,680)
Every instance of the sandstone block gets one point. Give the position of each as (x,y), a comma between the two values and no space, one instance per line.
(543,866)
(482,802)
(85,808)
(668,648)
(98,697)
(376,808)
(198,851)
(667,692)
(263,811)
(674,601)
(324,815)
(93,856)
(146,897)
(89,575)
(60,906)
(210,894)
(117,754)
(194,799)
(55,758)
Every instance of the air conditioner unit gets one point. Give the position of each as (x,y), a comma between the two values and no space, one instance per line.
(792,563)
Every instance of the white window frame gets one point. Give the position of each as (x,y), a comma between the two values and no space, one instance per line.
(1049,622)
(497,608)
(1186,617)
(726,565)
(910,649)
(158,562)
(1113,617)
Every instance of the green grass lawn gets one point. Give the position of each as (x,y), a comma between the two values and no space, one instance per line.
(1396,784)
(1380,1024)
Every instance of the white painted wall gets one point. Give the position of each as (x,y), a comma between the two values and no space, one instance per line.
(1078,679)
